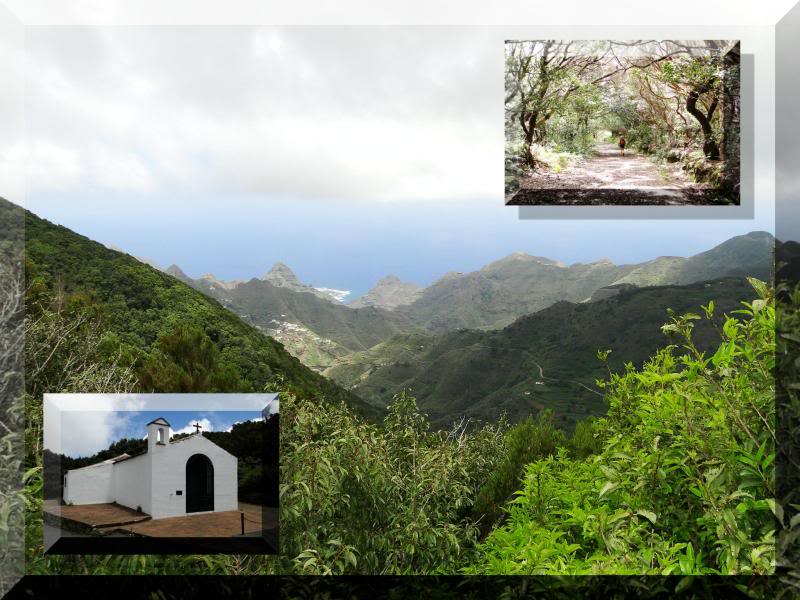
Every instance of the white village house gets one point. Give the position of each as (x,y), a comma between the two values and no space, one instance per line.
(171,479)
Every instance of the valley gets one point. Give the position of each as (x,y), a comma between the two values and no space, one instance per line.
(546,360)
(518,336)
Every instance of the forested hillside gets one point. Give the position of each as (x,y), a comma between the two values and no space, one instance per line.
(174,338)
(684,482)
(547,360)
(402,497)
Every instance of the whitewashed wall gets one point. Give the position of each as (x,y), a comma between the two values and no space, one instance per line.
(132,483)
(151,481)
(90,485)
(169,476)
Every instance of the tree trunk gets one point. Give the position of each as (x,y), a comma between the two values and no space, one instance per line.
(729,150)
(529,128)
(710,148)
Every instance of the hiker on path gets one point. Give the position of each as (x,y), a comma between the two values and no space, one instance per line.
(622,143)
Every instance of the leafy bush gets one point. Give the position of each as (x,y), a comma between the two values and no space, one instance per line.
(685,481)
(359,498)
(527,441)
(788,406)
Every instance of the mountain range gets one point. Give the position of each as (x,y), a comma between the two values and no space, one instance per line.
(321,331)
(517,336)
(544,360)
(312,326)
(389,293)
(520,284)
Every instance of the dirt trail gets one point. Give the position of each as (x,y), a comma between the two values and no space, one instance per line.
(610,178)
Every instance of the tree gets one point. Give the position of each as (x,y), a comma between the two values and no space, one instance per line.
(189,361)
(730,146)
(541,77)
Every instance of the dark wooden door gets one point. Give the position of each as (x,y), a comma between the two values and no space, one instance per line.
(199,484)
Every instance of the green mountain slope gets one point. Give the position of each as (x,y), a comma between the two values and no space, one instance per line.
(544,360)
(314,329)
(749,254)
(141,304)
(520,284)
(505,290)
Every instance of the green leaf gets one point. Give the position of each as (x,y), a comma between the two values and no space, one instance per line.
(649,515)
(609,486)
(776,508)
(684,584)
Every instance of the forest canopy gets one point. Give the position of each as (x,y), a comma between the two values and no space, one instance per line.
(675,100)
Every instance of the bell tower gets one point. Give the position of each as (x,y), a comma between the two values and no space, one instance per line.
(157,435)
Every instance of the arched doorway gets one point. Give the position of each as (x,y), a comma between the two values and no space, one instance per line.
(199,484)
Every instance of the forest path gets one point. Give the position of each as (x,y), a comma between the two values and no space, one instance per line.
(607,177)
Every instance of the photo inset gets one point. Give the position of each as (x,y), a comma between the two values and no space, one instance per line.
(642,122)
(138,469)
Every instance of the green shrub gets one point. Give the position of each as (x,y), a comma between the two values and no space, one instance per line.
(360,498)
(527,441)
(685,481)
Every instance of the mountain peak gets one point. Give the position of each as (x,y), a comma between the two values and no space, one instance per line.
(602,261)
(281,275)
(212,279)
(522,257)
(391,278)
(389,293)
(758,235)
(176,271)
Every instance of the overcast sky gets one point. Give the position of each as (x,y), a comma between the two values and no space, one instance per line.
(341,113)
(347,153)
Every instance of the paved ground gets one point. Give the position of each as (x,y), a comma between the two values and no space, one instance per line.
(218,524)
(96,515)
(610,178)
(107,518)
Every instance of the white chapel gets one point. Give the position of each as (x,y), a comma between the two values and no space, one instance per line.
(171,479)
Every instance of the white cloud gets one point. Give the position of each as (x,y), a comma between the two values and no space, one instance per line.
(385,113)
(86,433)
(254,420)
(205,425)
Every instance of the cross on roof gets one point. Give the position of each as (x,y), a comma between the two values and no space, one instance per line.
(197,427)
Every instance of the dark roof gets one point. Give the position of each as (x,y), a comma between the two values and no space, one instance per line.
(162,420)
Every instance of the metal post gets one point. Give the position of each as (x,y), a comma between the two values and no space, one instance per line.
(242,514)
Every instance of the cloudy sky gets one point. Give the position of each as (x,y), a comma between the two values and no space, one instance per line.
(347,153)
(84,433)
(336,113)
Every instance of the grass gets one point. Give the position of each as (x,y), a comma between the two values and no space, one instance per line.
(556,160)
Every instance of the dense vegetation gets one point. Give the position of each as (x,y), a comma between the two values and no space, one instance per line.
(684,459)
(543,360)
(156,322)
(685,481)
(12,421)
(678,100)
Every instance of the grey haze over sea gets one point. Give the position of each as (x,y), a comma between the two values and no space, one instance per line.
(350,245)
